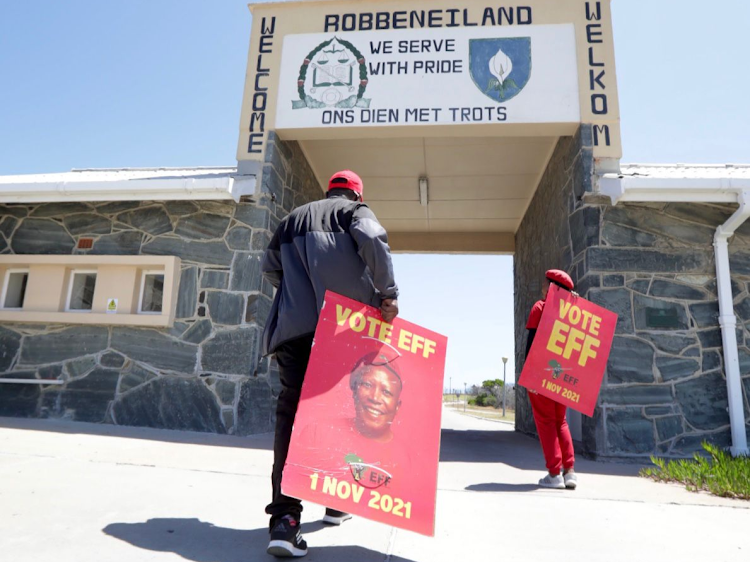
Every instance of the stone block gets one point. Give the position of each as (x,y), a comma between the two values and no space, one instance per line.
(202,226)
(14,210)
(187,297)
(629,432)
(669,343)
(199,331)
(112,360)
(703,214)
(672,368)
(637,395)
(668,261)
(261,240)
(10,342)
(272,183)
(672,290)
(711,361)
(239,238)
(60,209)
(225,308)
(225,390)
(79,367)
(705,314)
(251,215)
(739,262)
(246,273)
(156,349)
(39,236)
(641,303)
(152,220)
(124,243)
(613,281)
(87,223)
(50,372)
(180,208)
(170,403)
(618,235)
(204,253)
(214,279)
(658,410)
(687,445)
(88,398)
(255,410)
(742,309)
(651,220)
(19,400)
(630,361)
(617,301)
(639,285)
(65,344)
(135,377)
(116,207)
(8,225)
(668,427)
(704,401)
(692,352)
(232,352)
(258,309)
(710,338)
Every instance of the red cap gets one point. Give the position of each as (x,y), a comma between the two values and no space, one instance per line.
(560,277)
(346,179)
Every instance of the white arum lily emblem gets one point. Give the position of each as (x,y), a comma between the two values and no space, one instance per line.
(500,67)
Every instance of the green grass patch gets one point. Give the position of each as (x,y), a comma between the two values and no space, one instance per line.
(717,472)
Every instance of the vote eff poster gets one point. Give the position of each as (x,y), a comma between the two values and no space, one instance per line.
(366,436)
(566,362)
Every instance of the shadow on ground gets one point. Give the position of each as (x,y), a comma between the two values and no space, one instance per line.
(514,449)
(262,441)
(201,541)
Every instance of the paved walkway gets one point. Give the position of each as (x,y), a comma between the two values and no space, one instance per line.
(84,493)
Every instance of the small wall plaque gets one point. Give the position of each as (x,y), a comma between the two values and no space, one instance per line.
(661,318)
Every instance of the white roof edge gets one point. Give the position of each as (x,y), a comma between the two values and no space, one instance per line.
(73,189)
(660,189)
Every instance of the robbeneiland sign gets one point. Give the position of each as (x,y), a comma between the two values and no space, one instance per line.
(456,76)
(353,69)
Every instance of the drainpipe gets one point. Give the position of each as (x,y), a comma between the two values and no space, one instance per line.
(728,323)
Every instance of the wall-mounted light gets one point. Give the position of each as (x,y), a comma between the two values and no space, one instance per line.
(423,191)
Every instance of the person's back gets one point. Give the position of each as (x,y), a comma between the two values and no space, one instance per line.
(324,245)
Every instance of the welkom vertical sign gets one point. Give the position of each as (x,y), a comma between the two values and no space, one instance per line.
(325,70)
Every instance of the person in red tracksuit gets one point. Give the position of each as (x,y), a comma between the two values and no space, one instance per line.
(549,416)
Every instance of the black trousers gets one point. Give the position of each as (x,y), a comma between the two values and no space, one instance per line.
(292,357)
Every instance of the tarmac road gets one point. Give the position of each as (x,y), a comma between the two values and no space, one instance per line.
(72,492)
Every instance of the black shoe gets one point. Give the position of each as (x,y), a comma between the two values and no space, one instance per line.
(333,517)
(286,539)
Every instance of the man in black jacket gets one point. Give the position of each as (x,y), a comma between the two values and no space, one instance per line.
(335,244)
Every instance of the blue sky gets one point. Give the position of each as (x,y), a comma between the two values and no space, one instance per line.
(159,83)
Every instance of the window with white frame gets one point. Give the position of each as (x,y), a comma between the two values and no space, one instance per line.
(152,292)
(14,288)
(81,291)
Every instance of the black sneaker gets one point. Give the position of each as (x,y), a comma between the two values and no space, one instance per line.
(333,517)
(286,539)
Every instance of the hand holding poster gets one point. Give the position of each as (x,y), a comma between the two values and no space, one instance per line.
(366,435)
(567,359)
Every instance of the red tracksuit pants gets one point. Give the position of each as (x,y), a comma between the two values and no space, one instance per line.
(557,444)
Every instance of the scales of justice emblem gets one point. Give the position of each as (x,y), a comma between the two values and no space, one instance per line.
(333,74)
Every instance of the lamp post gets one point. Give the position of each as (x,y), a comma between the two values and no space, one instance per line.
(505,362)
(466,399)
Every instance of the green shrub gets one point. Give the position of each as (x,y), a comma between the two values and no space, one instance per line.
(472,401)
(718,473)
(490,401)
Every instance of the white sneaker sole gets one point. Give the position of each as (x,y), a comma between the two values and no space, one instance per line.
(571,485)
(284,549)
(331,520)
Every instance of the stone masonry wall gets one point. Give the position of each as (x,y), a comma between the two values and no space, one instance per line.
(664,390)
(553,234)
(203,374)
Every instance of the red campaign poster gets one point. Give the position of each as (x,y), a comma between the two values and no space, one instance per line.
(366,436)
(566,362)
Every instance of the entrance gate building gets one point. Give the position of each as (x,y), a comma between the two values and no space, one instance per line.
(476,129)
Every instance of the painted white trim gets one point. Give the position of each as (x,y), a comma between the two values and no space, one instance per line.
(152,189)
(6,280)
(143,287)
(32,381)
(73,273)
(703,190)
